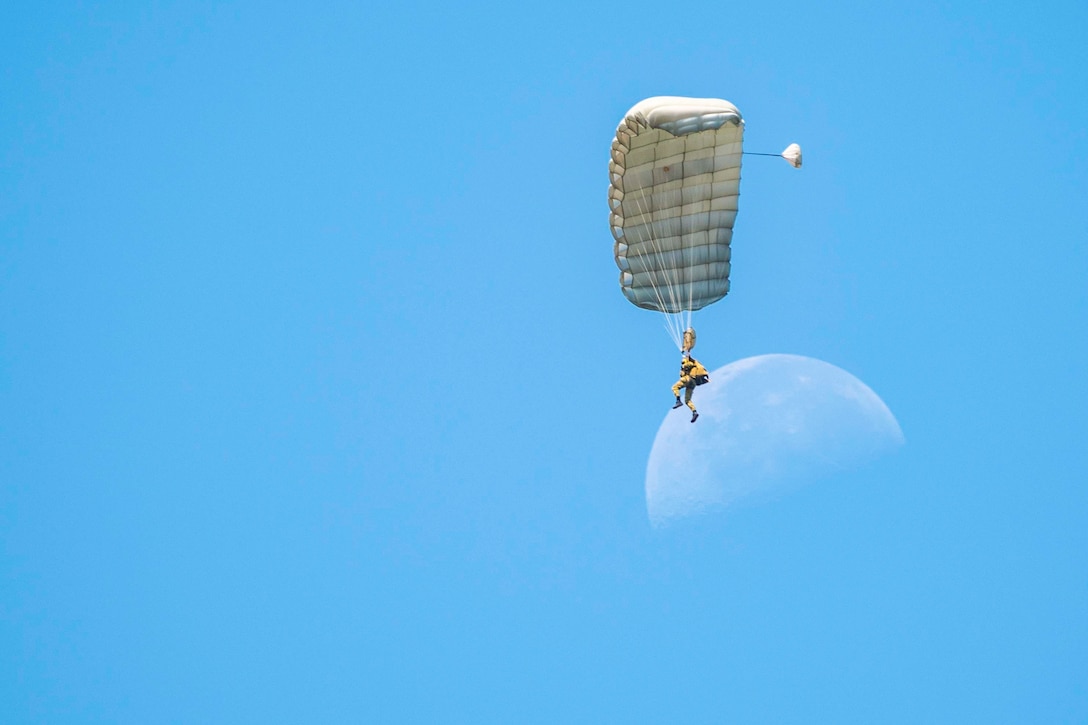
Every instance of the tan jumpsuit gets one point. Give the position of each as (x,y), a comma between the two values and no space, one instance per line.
(686,382)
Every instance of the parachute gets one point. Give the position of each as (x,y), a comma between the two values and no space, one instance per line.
(674,181)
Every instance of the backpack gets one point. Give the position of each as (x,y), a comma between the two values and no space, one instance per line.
(699,374)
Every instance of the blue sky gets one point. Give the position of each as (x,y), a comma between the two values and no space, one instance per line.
(319,401)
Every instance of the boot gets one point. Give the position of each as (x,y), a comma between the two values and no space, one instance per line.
(677,404)
(694,415)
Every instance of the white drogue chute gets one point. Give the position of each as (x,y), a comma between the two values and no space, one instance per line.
(793,155)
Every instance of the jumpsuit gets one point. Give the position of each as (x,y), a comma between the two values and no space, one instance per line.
(688,365)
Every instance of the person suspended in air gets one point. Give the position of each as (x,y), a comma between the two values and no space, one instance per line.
(692,373)
(672,218)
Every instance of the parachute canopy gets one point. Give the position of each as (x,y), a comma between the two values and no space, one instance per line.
(793,155)
(674,179)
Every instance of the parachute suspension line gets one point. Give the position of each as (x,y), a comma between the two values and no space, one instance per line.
(658,250)
(679,321)
(656,247)
(687,250)
(673,321)
(670,326)
(756,153)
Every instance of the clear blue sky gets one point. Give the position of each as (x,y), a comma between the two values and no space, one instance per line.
(319,401)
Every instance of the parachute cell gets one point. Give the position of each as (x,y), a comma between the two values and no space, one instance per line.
(674,180)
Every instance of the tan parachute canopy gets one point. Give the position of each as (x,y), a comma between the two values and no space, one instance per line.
(674,182)
(674,179)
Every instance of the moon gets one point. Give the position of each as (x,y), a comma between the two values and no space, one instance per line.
(764,422)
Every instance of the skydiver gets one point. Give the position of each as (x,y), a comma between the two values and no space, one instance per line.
(692,373)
